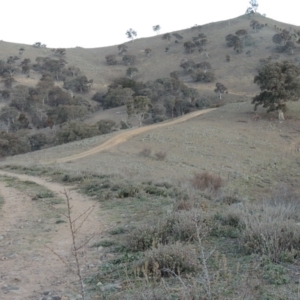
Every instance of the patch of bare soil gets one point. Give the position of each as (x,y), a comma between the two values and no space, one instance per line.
(28,269)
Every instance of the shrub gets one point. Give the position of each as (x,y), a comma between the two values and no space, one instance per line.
(181,226)
(275,274)
(166,259)
(146,151)
(161,155)
(203,76)
(142,238)
(205,180)
(111,59)
(270,227)
(106,126)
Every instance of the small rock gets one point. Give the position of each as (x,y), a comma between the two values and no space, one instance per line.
(99,283)
(100,248)
(56,297)
(1,237)
(46,293)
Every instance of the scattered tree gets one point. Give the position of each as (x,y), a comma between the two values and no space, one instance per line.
(117,96)
(166,36)
(37,44)
(131,72)
(256,26)
(111,59)
(202,76)
(122,49)
(139,107)
(128,59)
(156,28)
(177,36)
(220,89)
(279,82)
(131,34)
(79,84)
(189,46)
(148,51)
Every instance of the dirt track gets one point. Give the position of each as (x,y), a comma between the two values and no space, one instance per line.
(125,135)
(27,267)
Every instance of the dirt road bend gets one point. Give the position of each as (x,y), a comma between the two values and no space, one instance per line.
(27,267)
(125,135)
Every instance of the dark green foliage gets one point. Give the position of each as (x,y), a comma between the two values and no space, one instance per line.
(13,144)
(117,96)
(241,32)
(148,51)
(177,36)
(37,141)
(105,126)
(202,76)
(53,66)
(124,82)
(128,59)
(131,72)
(220,89)
(232,40)
(75,131)
(255,25)
(131,34)
(189,46)
(122,49)
(279,82)
(99,97)
(275,274)
(111,59)
(78,84)
(166,36)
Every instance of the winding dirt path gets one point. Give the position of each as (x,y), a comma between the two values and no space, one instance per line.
(28,268)
(125,135)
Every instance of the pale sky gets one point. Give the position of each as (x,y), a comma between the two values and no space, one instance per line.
(100,23)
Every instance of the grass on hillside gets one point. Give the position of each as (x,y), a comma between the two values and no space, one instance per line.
(186,241)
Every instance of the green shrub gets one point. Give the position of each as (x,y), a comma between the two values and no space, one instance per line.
(105,126)
(275,274)
(142,237)
(128,191)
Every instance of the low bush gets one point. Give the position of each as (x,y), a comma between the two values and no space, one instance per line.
(165,260)
(160,155)
(270,227)
(205,180)
(146,152)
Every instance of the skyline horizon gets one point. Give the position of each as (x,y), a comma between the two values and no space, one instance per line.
(90,29)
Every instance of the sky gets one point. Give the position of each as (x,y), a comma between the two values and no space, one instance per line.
(100,23)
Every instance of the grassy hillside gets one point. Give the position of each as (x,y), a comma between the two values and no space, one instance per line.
(204,206)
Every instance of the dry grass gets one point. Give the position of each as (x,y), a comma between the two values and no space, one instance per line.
(270,227)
